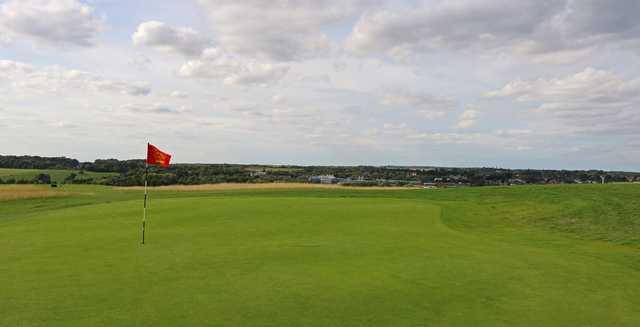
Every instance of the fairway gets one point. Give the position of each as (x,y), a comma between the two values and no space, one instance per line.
(503,256)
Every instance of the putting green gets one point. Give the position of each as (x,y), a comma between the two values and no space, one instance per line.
(314,258)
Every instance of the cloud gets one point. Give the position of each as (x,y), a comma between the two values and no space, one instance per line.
(217,64)
(179,95)
(527,27)
(156,108)
(449,138)
(589,101)
(55,79)
(346,108)
(257,74)
(513,132)
(278,99)
(279,30)
(52,22)
(181,40)
(65,125)
(140,62)
(390,128)
(425,105)
(467,118)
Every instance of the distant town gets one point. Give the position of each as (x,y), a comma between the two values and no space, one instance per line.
(62,170)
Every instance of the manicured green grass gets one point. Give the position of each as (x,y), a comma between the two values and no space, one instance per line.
(57,175)
(520,256)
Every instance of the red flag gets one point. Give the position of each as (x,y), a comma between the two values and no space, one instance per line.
(157,157)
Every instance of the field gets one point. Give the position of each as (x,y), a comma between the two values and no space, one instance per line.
(566,255)
(57,175)
(261,186)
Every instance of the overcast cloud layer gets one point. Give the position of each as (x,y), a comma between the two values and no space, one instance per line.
(529,83)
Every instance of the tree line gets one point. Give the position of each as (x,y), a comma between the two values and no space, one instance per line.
(36,162)
(132,172)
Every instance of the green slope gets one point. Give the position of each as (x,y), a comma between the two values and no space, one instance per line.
(526,256)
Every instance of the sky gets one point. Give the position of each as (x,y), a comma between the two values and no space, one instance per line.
(551,84)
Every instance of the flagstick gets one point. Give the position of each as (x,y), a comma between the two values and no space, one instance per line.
(144,216)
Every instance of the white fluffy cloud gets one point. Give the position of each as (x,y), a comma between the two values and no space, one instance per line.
(182,40)
(590,101)
(54,79)
(467,118)
(279,30)
(179,94)
(207,62)
(530,27)
(217,64)
(53,22)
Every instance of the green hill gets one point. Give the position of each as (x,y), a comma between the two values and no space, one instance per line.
(505,256)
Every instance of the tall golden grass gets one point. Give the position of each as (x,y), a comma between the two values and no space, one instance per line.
(15,192)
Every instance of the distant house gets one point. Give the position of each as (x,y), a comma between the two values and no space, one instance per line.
(516,181)
(429,185)
(323,179)
(257,173)
(345,181)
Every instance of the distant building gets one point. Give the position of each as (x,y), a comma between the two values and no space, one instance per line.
(346,181)
(429,185)
(323,179)
(516,181)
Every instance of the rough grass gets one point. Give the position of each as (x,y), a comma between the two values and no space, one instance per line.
(521,256)
(15,192)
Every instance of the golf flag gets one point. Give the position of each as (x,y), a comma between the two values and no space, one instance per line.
(156,157)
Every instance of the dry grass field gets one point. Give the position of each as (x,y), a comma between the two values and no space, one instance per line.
(16,192)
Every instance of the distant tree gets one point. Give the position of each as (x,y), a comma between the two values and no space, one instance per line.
(42,179)
(71,178)
(35,162)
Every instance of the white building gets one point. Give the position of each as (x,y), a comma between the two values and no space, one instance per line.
(324,179)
